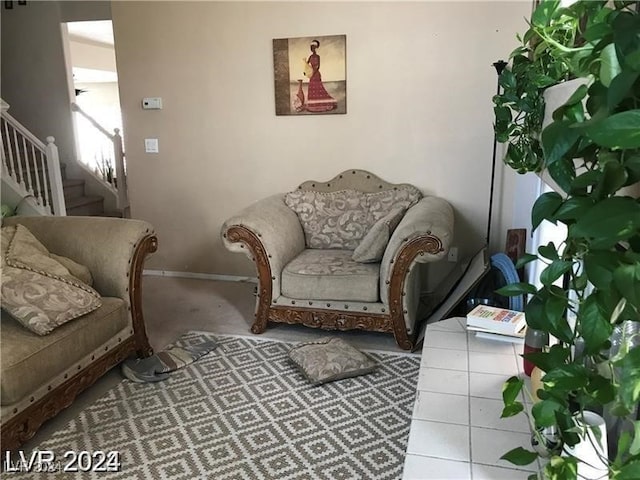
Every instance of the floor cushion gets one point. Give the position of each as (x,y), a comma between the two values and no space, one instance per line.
(330,359)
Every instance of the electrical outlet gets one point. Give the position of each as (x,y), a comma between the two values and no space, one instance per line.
(452,256)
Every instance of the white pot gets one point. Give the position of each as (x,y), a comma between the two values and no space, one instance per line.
(591,451)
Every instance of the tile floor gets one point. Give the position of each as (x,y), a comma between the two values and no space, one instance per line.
(456,430)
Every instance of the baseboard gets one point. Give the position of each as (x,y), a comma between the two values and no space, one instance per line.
(200,276)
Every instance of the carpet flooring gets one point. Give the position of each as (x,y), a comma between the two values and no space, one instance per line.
(244,411)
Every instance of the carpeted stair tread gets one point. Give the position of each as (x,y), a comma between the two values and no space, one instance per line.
(86,205)
(72,182)
(113,213)
(83,200)
(72,187)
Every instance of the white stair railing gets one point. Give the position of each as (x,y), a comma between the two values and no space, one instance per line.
(102,153)
(32,166)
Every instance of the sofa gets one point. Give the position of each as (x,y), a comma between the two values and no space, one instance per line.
(342,254)
(42,373)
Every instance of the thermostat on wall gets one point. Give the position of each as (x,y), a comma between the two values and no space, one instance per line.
(152,103)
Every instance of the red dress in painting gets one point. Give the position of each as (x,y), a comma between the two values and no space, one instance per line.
(318,99)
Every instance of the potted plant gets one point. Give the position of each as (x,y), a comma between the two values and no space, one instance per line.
(591,150)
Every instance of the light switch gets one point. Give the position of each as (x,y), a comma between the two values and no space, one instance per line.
(151,145)
(152,103)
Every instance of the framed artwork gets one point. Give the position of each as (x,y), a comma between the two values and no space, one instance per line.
(310,75)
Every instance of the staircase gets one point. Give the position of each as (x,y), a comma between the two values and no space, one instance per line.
(33,171)
(78,202)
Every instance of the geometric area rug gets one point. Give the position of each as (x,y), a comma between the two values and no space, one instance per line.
(245,412)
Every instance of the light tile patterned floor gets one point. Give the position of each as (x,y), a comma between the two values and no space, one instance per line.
(456,431)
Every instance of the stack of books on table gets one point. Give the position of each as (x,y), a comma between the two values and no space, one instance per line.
(497,323)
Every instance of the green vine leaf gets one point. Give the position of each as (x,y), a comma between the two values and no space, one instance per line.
(563,172)
(573,208)
(599,267)
(525,259)
(519,456)
(514,289)
(611,220)
(620,130)
(609,65)
(544,208)
(630,471)
(549,251)
(620,88)
(557,140)
(594,324)
(554,271)
(567,377)
(547,361)
(632,165)
(634,449)
(614,176)
(561,468)
(511,389)
(627,280)
(544,412)
(629,378)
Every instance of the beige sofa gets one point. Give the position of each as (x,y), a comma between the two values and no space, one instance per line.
(41,375)
(306,268)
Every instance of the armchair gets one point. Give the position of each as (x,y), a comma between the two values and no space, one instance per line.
(306,271)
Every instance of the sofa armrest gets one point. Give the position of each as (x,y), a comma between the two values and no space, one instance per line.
(273,227)
(424,235)
(107,246)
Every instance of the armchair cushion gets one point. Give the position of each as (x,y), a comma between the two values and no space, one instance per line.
(37,290)
(372,246)
(30,361)
(330,275)
(341,219)
(330,359)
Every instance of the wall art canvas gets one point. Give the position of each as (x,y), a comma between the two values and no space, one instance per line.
(310,75)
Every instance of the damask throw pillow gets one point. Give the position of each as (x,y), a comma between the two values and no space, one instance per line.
(330,219)
(37,290)
(330,359)
(373,245)
(341,219)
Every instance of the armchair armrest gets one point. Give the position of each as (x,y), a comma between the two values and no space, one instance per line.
(107,246)
(424,235)
(269,225)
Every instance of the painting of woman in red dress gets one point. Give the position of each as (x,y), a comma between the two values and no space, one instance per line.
(300,87)
(318,99)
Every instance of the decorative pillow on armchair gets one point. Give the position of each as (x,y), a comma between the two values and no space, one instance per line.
(37,290)
(373,245)
(341,219)
(330,219)
(330,359)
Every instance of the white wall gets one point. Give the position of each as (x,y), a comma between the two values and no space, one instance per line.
(419,88)
(34,80)
(95,55)
(33,71)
